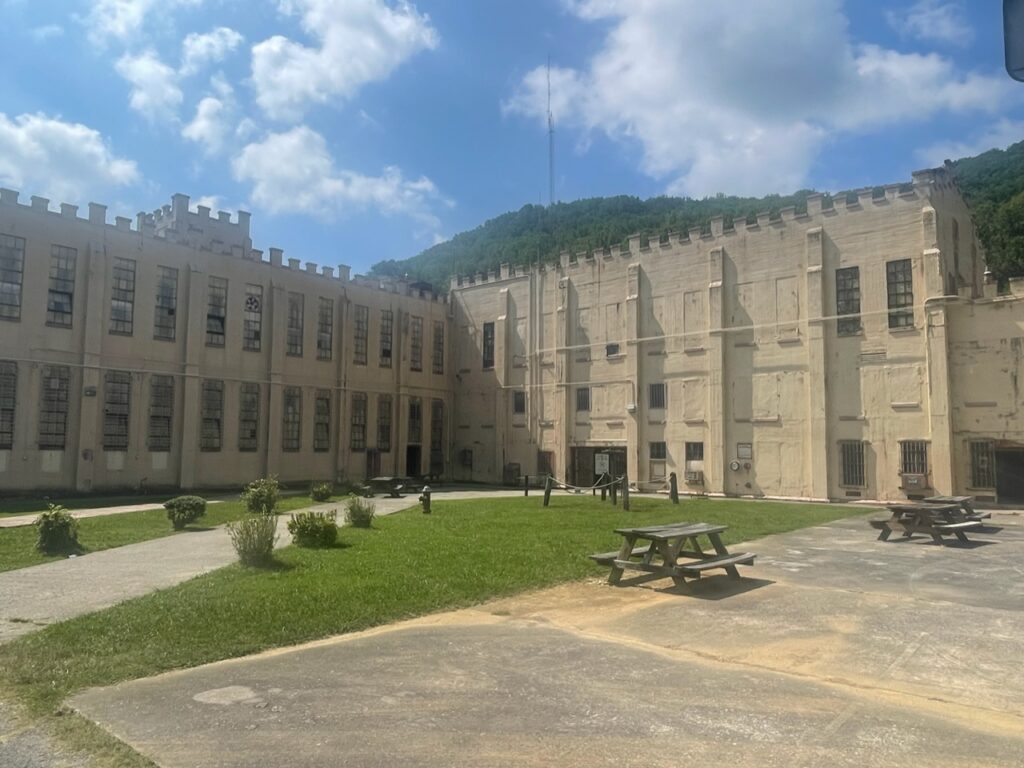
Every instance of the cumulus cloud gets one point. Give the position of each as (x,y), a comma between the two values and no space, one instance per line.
(359,42)
(199,50)
(155,92)
(64,161)
(999,136)
(936,21)
(741,97)
(124,19)
(211,124)
(47,32)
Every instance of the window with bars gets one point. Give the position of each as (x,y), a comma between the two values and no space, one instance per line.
(161,413)
(211,415)
(900,286)
(53,407)
(291,433)
(8,395)
(658,464)
(519,402)
(983,464)
(252,319)
(848,300)
(248,417)
(117,391)
(657,395)
(415,420)
(851,459)
(914,457)
(582,399)
(387,332)
(61,293)
(361,329)
(322,421)
(659,450)
(216,311)
(325,329)
(122,298)
(357,439)
(693,451)
(416,344)
(437,437)
(296,310)
(12,270)
(165,313)
(488,353)
(437,364)
(384,423)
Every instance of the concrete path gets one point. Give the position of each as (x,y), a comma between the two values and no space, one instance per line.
(16,521)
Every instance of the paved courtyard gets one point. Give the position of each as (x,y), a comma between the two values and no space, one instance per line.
(836,650)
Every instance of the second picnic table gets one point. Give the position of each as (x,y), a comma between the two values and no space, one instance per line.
(934,519)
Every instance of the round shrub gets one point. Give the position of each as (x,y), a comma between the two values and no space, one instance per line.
(314,529)
(260,496)
(321,491)
(253,538)
(360,512)
(184,510)
(58,531)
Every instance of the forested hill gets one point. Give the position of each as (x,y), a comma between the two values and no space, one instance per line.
(993,183)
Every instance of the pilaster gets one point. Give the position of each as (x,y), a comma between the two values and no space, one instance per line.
(634,364)
(816,446)
(96,269)
(194,340)
(716,451)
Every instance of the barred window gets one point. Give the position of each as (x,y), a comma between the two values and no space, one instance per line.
(416,344)
(415,420)
(362,334)
(8,393)
(248,417)
(212,415)
(848,300)
(488,352)
(61,294)
(900,286)
(252,320)
(914,457)
(322,421)
(358,435)
(693,451)
(165,313)
(384,423)
(53,407)
(117,391)
(438,361)
(291,435)
(851,455)
(325,329)
(582,399)
(658,465)
(216,311)
(983,464)
(12,267)
(437,437)
(611,350)
(659,450)
(122,298)
(387,329)
(296,310)
(161,412)
(657,395)
(519,402)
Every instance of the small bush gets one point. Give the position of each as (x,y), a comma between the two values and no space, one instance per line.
(183,510)
(58,531)
(314,529)
(321,491)
(260,496)
(254,537)
(359,512)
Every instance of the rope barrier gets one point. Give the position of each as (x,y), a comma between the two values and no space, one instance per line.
(596,486)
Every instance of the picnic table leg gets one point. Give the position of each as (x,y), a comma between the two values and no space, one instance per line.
(716,542)
(625,552)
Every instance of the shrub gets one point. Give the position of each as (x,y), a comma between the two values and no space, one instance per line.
(359,512)
(314,529)
(321,491)
(183,510)
(58,531)
(260,496)
(254,537)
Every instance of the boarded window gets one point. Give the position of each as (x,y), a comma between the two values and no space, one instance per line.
(488,351)
(248,417)
(61,293)
(12,268)
(252,320)
(296,319)
(116,410)
(165,312)
(983,463)
(122,297)
(361,328)
(53,408)
(216,311)
(291,433)
(384,423)
(322,421)
(161,413)
(416,344)
(212,415)
(851,457)
(900,287)
(325,329)
(848,300)
(387,337)
(8,393)
(358,431)
(914,457)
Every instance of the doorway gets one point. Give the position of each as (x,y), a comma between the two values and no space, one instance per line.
(1010,476)
(412,460)
(585,461)
(372,463)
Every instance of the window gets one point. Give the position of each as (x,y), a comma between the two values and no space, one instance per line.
(659,454)
(851,455)
(659,451)
(611,350)
(437,437)
(582,399)
(296,310)
(211,415)
(362,334)
(387,328)
(657,395)
(249,417)
(12,266)
(60,299)
(216,311)
(438,361)
(848,300)
(325,329)
(53,408)
(415,420)
(983,462)
(384,423)
(519,402)
(8,392)
(166,309)
(252,320)
(416,344)
(358,437)
(322,421)
(914,457)
(693,451)
(900,285)
(291,434)
(122,298)
(116,410)
(488,360)
(161,413)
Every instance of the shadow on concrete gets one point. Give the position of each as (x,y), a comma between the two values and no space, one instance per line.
(716,587)
(953,544)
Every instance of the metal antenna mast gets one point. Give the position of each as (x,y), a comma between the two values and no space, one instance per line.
(551,142)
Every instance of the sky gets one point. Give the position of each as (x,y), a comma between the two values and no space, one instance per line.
(361,130)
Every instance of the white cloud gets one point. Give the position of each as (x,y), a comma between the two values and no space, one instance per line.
(936,21)
(124,19)
(741,97)
(999,136)
(198,50)
(47,32)
(359,42)
(155,92)
(213,202)
(65,161)
(211,125)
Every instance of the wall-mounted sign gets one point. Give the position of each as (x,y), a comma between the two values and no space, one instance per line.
(744,450)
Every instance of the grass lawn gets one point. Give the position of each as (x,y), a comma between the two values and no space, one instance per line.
(33,505)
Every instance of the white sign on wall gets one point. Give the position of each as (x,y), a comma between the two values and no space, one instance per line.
(602,464)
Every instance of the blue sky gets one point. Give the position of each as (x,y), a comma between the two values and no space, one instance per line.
(361,130)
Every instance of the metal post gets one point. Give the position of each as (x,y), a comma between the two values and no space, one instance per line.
(425,499)
(604,486)
(625,492)
(526,485)
(673,488)
(547,491)
(614,490)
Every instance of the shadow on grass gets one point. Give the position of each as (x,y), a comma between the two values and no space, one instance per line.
(269,566)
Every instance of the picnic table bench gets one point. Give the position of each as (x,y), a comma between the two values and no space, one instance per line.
(674,551)
(966,503)
(934,519)
(393,486)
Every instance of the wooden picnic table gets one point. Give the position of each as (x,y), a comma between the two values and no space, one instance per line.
(966,503)
(674,551)
(935,519)
(393,486)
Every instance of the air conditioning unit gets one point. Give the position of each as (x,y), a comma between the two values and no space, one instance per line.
(695,478)
(914,482)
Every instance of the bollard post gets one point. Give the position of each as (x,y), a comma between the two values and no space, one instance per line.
(604,487)
(547,490)
(625,492)
(673,488)
(526,485)
(613,489)
(425,499)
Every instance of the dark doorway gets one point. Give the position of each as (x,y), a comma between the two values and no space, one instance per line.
(585,460)
(1010,476)
(372,463)
(412,460)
